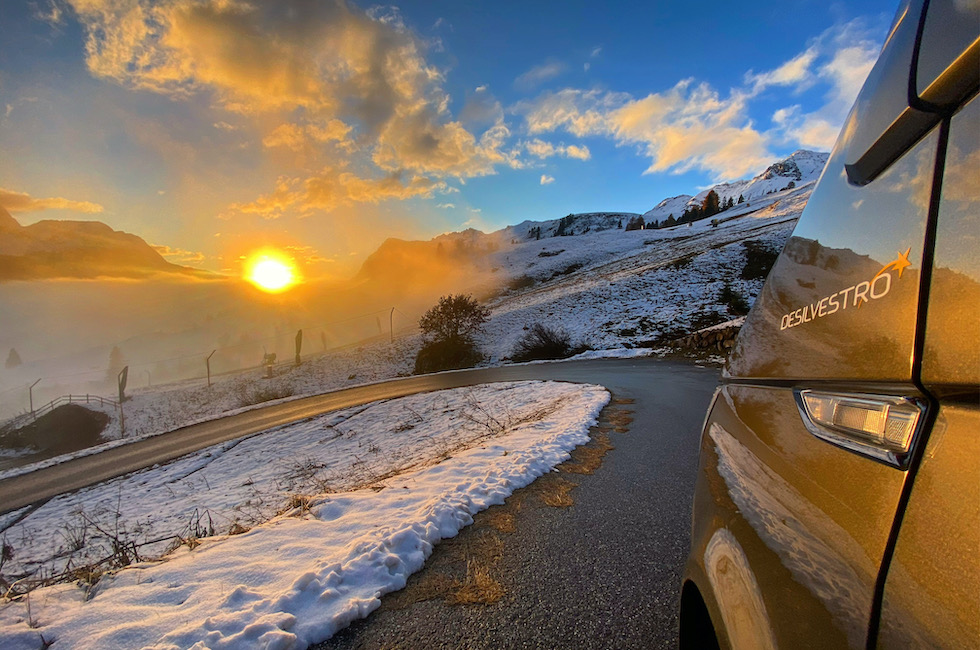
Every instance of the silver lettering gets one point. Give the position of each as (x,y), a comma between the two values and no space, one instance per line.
(861,291)
(834,304)
(887,277)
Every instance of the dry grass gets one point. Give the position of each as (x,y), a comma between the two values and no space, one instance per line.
(499,519)
(483,545)
(555,491)
(620,420)
(460,572)
(588,458)
(298,504)
(425,585)
(478,587)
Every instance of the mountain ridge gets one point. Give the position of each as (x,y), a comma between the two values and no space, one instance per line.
(51,249)
(801,167)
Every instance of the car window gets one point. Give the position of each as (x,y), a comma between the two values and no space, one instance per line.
(952,350)
(950,28)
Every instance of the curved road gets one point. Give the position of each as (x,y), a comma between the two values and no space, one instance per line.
(602,574)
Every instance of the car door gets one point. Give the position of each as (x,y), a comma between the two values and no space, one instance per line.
(932,591)
(808,444)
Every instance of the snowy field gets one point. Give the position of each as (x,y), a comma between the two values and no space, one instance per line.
(280,539)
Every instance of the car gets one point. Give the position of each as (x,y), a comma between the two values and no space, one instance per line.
(837,503)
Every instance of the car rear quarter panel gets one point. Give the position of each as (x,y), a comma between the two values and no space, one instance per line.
(811,519)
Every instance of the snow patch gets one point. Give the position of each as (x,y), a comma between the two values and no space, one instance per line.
(300,577)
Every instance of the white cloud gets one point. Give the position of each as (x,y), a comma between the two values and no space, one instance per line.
(446,206)
(694,126)
(51,13)
(577,152)
(547,180)
(844,56)
(541,149)
(299,137)
(540,74)
(795,72)
(689,126)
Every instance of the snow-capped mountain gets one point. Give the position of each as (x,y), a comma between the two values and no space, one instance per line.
(799,168)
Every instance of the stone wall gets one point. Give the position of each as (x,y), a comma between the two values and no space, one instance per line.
(721,339)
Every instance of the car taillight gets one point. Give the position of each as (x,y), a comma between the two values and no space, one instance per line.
(880,426)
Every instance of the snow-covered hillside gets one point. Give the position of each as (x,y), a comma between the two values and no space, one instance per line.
(627,289)
(574,224)
(675,205)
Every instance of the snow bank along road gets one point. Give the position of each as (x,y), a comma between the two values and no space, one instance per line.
(45,483)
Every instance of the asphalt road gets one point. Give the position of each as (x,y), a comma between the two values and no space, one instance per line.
(602,574)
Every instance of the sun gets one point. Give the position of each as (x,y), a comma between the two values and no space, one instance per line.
(270,272)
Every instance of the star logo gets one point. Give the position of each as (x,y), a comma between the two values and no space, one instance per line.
(900,263)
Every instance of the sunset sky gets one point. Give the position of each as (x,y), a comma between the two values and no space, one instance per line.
(212,128)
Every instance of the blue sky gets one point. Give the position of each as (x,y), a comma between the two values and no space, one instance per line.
(213,128)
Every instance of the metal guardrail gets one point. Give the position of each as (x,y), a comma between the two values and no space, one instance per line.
(20,420)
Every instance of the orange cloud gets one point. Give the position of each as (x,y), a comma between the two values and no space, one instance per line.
(179,255)
(332,188)
(22,202)
(354,76)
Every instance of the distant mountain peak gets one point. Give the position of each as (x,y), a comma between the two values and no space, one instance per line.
(7,222)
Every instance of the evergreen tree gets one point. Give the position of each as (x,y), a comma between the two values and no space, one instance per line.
(670,221)
(710,205)
(635,223)
(564,226)
(741,199)
(13,359)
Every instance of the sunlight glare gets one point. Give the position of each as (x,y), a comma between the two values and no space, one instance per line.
(270,273)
